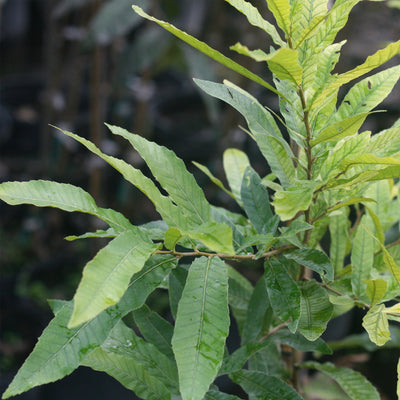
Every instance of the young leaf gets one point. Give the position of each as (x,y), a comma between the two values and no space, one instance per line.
(255,201)
(314,259)
(352,382)
(106,278)
(254,17)
(316,310)
(341,129)
(376,290)
(60,195)
(284,63)
(207,50)
(281,11)
(297,198)
(202,325)
(283,293)
(235,163)
(59,350)
(155,329)
(376,324)
(261,124)
(264,386)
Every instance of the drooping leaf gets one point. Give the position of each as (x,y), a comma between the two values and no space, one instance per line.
(338,229)
(362,257)
(201,327)
(376,290)
(314,259)
(261,124)
(235,163)
(368,159)
(283,293)
(106,277)
(59,350)
(172,174)
(240,291)
(299,342)
(60,195)
(207,50)
(297,198)
(255,201)
(155,329)
(264,386)
(172,237)
(355,385)
(258,308)
(136,364)
(315,310)
(176,283)
(254,17)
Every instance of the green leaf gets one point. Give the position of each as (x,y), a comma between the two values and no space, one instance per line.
(257,310)
(341,129)
(163,204)
(281,11)
(284,63)
(372,62)
(155,271)
(375,322)
(255,199)
(216,395)
(283,293)
(240,292)
(315,310)
(138,365)
(155,329)
(367,94)
(172,237)
(207,50)
(353,200)
(176,283)
(299,342)
(106,278)
(60,195)
(352,382)
(368,159)
(59,350)
(376,290)
(297,198)
(261,124)
(235,163)
(264,386)
(109,233)
(362,257)
(172,174)
(314,259)
(202,325)
(255,19)
(338,229)
(213,179)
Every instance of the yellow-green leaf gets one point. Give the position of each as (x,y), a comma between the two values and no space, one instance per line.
(376,324)
(376,290)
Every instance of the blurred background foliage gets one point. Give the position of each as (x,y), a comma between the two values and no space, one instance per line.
(78,63)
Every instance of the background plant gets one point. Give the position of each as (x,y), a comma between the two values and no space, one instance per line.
(329,178)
